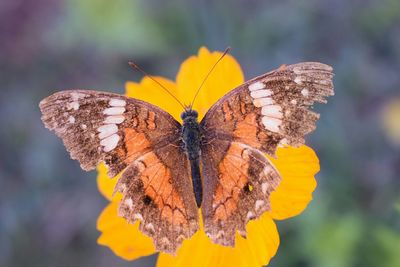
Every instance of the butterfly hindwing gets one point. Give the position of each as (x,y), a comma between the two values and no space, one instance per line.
(144,140)
(157,191)
(267,111)
(238,181)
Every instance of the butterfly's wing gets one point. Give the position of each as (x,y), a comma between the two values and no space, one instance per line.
(237,183)
(130,134)
(253,119)
(157,191)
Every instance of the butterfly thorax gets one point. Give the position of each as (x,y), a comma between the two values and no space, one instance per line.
(191,136)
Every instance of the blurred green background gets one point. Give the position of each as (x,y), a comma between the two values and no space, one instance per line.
(49,206)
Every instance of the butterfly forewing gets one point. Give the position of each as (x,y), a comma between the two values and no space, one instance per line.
(98,126)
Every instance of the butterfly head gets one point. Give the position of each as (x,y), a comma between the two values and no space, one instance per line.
(189,114)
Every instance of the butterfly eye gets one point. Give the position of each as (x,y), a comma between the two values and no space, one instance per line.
(194,113)
(184,115)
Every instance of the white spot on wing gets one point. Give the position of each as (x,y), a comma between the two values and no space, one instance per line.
(71,119)
(259,204)
(117,102)
(298,80)
(271,124)
(138,216)
(256,86)
(260,93)
(73,105)
(109,143)
(83,126)
(250,215)
(114,111)
(267,169)
(304,92)
(149,227)
(260,102)
(274,111)
(114,119)
(264,187)
(129,202)
(107,130)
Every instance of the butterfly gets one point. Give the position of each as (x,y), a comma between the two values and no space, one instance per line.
(217,165)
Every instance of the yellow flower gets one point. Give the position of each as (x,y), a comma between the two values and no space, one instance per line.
(296,165)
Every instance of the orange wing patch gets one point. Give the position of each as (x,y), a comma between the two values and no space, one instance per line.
(153,194)
(157,184)
(150,121)
(246,130)
(136,143)
(228,112)
(233,178)
(246,179)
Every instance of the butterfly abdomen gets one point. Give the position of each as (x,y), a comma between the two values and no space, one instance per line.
(191,138)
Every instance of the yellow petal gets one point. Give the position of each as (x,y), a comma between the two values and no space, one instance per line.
(391,120)
(297,167)
(149,91)
(106,184)
(226,76)
(124,239)
(260,246)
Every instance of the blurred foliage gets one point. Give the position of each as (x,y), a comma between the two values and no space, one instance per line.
(106,26)
(385,244)
(48,206)
(335,241)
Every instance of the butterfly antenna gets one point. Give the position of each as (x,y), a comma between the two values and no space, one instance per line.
(208,74)
(135,66)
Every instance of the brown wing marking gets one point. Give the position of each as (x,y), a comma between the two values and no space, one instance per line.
(99,126)
(157,191)
(239,181)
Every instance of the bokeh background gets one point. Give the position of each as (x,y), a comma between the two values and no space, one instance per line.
(49,206)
